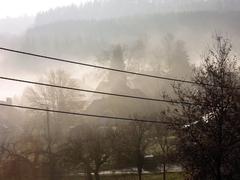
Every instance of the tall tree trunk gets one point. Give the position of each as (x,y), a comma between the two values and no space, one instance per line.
(164,170)
(139,172)
(97,177)
(88,174)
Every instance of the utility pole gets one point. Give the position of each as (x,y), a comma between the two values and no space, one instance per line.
(49,147)
(49,141)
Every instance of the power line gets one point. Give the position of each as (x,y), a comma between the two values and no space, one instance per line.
(98,92)
(83,114)
(101,67)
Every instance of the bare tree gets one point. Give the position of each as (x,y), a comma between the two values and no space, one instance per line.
(164,140)
(88,148)
(208,131)
(50,128)
(133,140)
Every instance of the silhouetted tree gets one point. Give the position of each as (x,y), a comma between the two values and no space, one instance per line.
(176,57)
(165,142)
(47,130)
(88,147)
(133,140)
(209,131)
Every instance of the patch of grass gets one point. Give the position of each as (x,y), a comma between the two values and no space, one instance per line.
(170,176)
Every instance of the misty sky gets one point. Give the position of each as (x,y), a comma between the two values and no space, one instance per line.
(15,8)
(18,8)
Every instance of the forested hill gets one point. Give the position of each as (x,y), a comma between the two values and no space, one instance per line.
(107,9)
(141,35)
(90,37)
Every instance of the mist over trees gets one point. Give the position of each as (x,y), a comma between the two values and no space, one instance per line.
(203,138)
(87,39)
(193,135)
(99,10)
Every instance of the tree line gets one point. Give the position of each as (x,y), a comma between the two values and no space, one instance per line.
(99,10)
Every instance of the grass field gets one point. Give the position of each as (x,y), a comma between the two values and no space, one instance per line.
(170,176)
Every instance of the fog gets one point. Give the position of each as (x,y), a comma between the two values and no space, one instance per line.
(86,32)
(167,38)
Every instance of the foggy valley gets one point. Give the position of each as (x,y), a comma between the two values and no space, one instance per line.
(120,89)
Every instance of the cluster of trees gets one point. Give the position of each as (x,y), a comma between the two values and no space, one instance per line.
(88,39)
(208,131)
(202,137)
(99,10)
(53,146)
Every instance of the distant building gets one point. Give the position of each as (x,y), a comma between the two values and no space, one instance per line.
(118,83)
